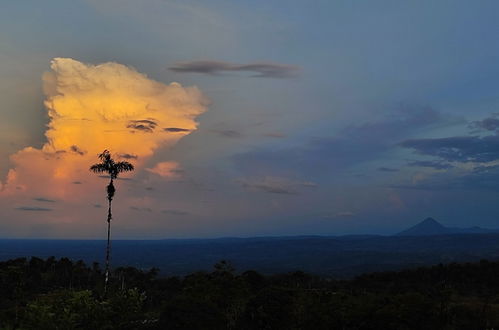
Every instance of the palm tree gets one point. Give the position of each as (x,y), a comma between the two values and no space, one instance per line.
(113,168)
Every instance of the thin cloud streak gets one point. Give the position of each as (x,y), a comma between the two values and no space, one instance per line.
(260,69)
(45,200)
(176,129)
(33,208)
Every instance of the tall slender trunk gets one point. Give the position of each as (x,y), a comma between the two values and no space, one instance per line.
(108,247)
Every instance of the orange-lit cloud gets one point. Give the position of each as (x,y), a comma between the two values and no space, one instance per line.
(166,169)
(96,107)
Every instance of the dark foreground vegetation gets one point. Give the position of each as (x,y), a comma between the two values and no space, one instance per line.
(61,294)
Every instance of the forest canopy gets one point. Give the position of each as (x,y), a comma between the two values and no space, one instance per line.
(63,294)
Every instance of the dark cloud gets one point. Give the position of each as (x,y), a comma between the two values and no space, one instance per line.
(128,156)
(457,148)
(488,124)
(98,206)
(176,129)
(45,200)
(478,151)
(144,125)
(76,182)
(229,133)
(75,149)
(175,212)
(350,147)
(433,164)
(261,70)
(387,169)
(149,188)
(33,208)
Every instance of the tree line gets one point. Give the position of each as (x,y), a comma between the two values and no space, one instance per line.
(62,294)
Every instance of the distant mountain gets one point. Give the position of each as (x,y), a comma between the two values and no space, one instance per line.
(427,227)
(431,227)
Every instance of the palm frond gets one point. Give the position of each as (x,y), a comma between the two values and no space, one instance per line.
(99,168)
(123,167)
(105,156)
(109,166)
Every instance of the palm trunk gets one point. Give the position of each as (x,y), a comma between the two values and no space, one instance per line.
(108,247)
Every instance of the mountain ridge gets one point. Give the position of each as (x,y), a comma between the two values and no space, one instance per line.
(431,227)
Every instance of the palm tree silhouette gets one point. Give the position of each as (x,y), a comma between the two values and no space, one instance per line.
(113,168)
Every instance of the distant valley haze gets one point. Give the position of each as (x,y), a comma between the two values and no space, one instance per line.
(426,243)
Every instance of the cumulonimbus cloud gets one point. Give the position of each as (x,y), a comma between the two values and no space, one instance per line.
(96,107)
(259,69)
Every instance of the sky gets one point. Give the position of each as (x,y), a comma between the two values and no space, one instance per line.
(248,118)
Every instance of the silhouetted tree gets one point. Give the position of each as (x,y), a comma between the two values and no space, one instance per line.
(113,168)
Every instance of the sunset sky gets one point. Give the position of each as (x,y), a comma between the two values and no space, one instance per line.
(248,118)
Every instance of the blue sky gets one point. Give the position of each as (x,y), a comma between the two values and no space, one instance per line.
(374,115)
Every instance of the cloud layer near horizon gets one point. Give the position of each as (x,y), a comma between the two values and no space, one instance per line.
(96,107)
